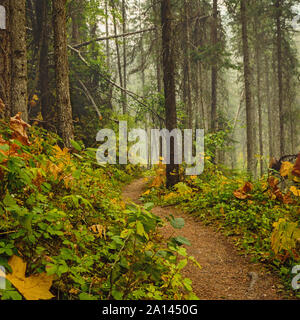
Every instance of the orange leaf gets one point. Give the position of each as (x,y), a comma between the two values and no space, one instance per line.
(296,169)
(242,193)
(247,187)
(287,199)
(273,182)
(18,126)
(238,194)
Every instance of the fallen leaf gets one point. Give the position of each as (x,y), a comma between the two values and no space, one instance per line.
(240,195)
(34,287)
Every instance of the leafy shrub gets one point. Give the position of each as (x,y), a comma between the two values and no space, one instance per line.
(63,215)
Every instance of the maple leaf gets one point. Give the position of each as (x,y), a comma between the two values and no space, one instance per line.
(18,126)
(34,287)
(242,193)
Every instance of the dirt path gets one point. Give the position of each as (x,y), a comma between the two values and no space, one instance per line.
(224,273)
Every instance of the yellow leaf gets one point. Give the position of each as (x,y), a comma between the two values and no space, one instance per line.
(100,230)
(34,287)
(295,191)
(286,168)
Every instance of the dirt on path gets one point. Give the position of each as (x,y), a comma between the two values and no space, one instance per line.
(224,274)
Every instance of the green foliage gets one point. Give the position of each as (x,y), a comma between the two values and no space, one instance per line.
(251,223)
(64,215)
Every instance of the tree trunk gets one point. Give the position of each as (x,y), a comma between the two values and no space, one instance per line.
(75,16)
(155,5)
(5,63)
(247,79)
(258,94)
(124,18)
(124,107)
(65,121)
(278,6)
(214,70)
(107,34)
(172,170)
(42,9)
(187,66)
(18,58)
(268,101)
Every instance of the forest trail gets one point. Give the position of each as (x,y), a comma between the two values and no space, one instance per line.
(224,274)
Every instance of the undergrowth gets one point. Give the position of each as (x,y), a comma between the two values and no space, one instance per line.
(62,215)
(262,218)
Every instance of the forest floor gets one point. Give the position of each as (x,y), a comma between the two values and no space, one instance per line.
(224,274)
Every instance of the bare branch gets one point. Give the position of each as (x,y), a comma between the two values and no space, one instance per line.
(133,95)
(77,46)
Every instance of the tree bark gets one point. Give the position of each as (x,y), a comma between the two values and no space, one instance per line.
(214,70)
(5,63)
(107,34)
(278,6)
(124,18)
(65,121)
(187,65)
(124,107)
(247,79)
(18,58)
(158,63)
(42,9)
(172,169)
(268,101)
(258,93)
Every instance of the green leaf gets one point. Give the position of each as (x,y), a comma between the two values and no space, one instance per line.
(149,206)
(182,240)
(182,264)
(86,296)
(118,295)
(188,284)
(9,201)
(76,145)
(140,229)
(177,223)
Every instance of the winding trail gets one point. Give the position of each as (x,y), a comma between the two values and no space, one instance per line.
(224,274)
